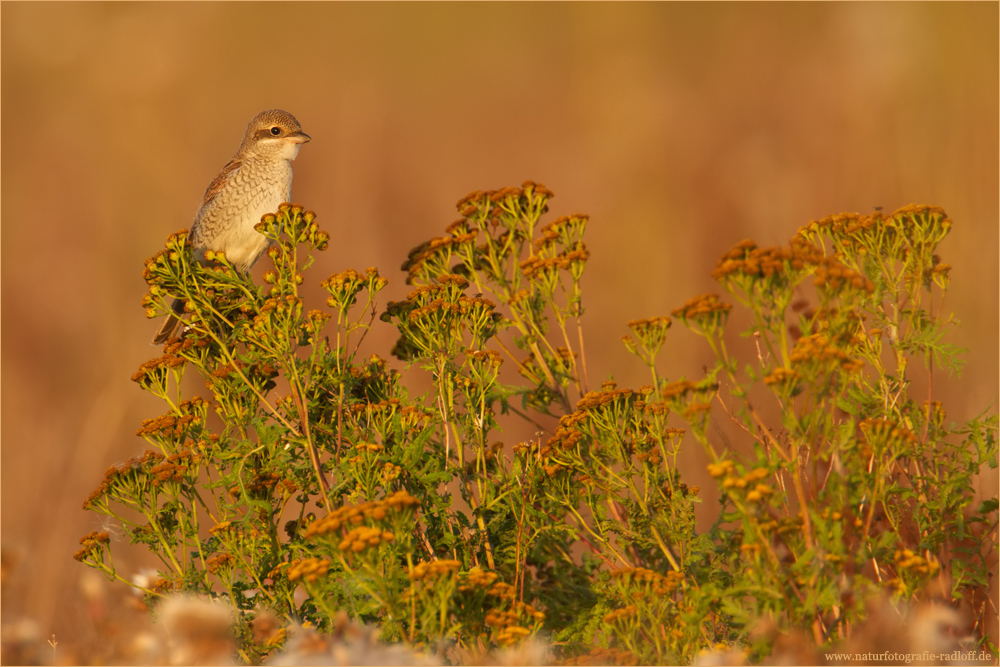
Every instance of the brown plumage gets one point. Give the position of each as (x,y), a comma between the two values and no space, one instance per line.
(255,182)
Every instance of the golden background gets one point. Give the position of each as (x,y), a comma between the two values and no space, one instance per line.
(681,129)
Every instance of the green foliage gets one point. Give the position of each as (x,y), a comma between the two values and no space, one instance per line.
(311,481)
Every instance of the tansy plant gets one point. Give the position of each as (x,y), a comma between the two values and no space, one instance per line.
(308,481)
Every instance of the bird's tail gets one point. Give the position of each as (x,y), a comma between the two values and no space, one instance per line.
(171,324)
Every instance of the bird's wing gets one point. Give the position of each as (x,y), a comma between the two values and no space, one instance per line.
(221,179)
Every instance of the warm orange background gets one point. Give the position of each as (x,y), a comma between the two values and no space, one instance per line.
(680,128)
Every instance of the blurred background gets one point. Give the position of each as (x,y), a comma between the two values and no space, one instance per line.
(680,129)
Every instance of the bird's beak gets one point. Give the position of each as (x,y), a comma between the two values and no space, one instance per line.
(299,138)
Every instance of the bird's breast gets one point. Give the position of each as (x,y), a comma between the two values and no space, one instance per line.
(226,223)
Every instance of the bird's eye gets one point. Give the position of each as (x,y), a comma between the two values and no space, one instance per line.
(275,131)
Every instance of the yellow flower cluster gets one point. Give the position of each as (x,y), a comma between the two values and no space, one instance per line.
(499,618)
(566,230)
(547,267)
(660,584)
(483,202)
(92,543)
(133,470)
(650,327)
(484,358)
(477,578)
(266,482)
(220,527)
(315,321)
(173,468)
(185,343)
(562,439)
(381,414)
(355,515)
(782,526)
(375,368)
(362,537)
(610,406)
(289,305)
(705,312)
(827,514)
(780,375)
(297,219)
(507,621)
(224,371)
(754,492)
(775,263)
(511,634)
(176,241)
(174,425)
(651,456)
(345,286)
(553,469)
(149,369)
(622,614)
(220,562)
(375,410)
(843,224)
(596,400)
(390,471)
(818,349)
(434,569)
(914,225)
(435,315)
(907,560)
(308,569)
(659,409)
(833,275)
(276,571)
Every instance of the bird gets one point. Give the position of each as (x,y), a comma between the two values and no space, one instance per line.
(252,184)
